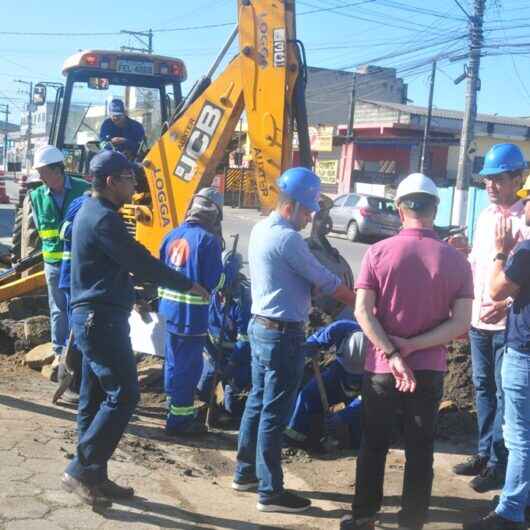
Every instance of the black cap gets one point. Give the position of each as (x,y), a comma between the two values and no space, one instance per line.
(107,163)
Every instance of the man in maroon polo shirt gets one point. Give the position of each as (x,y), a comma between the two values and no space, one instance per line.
(414,295)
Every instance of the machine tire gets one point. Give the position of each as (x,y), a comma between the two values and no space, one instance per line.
(16,239)
(352,233)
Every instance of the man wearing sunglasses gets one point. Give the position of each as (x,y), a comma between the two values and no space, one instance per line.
(502,174)
(511,278)
(104,255)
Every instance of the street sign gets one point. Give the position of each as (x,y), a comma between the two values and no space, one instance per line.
(327,171)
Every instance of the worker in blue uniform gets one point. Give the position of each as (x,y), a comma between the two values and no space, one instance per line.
(342,381)
(232,350)
(122,132)
(71,395)
(104,255)
(194,248)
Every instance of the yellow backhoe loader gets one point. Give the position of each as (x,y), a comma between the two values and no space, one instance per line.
(266,80)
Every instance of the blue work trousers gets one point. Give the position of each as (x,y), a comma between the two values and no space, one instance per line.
(76,359)
(516,386)
(58,307)
(109,389)
(182,371)
(235,378)
(487,349)
(309,402)
(277,369)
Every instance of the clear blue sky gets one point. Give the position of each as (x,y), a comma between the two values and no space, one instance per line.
(337,34)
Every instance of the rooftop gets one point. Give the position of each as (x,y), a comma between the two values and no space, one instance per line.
(450,114)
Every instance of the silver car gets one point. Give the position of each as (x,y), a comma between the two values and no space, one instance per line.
(364,216)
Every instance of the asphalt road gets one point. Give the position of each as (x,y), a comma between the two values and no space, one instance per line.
(241,222)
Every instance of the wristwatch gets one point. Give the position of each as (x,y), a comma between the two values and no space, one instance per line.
(389,356)
(500,256)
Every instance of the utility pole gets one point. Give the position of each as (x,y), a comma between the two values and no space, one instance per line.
(468,125)
(5,109)
(425,164)
(352,105)
(30,121)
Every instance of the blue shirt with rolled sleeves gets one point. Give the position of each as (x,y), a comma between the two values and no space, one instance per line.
(283,271)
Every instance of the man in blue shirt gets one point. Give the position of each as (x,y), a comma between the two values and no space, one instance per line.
(511,278)
(71,395)
(121,131)
(282,272)
(342,381)
(104,255)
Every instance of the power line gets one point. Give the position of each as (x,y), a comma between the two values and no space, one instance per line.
(516,70)
(462,9)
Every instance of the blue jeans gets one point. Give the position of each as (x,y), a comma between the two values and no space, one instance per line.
(487,349)
(58,309)
(182,371)
(516,386)
(109,389)
(277,369)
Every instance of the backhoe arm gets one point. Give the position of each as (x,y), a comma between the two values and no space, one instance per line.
(261,81)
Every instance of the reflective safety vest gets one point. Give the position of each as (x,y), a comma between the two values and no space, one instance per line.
(48,217)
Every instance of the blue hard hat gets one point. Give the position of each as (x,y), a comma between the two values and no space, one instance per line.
(107,163)
(501,158)
(301,185)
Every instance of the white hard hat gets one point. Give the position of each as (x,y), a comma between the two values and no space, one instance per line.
(353,352)
(46,155)
(33,177)
(416,183)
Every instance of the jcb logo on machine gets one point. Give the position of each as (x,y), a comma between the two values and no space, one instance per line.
(198,141)
(279,47)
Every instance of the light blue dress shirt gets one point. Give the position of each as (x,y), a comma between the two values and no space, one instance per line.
(283,271)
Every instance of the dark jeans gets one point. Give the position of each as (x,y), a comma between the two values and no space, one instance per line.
(277,369)
(487,351)
(381,401)
(109,389)
(76,359)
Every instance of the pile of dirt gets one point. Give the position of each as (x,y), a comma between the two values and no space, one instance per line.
(457,412)
(24,323)
(458,384)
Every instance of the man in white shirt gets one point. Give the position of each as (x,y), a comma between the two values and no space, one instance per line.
(503,173)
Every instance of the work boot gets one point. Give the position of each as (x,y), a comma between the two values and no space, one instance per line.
(114,491)
(347,522)
(490,479)
(90,495)
(471,467)
(492,521)
(287,502)
(495,501)
(194,428)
